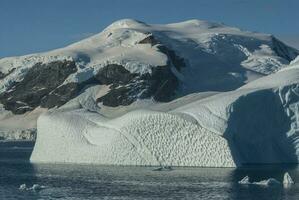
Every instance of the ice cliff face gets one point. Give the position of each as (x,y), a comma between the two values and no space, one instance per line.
(136,138)
(193,93)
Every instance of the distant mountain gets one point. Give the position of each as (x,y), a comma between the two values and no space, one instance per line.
(133,65)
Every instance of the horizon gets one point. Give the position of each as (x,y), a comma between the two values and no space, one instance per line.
(37,28)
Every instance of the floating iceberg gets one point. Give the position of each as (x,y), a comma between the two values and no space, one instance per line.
(244,181)
(287,180)
(268,182)
(147,138)
(35,187)
(23,187)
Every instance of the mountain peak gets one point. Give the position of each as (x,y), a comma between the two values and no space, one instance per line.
(125,23)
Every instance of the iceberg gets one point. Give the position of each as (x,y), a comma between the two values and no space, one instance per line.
(287,180)
(23,187)
(244,181)
(268,182)
(147,138)
(35,187)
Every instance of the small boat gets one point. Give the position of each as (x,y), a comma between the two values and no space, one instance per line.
(163,168)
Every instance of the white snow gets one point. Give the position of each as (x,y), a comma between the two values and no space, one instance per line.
(287,180)
(35,187)
(23,187)
(268,182)
(244,181)
(132,139)
(263,60)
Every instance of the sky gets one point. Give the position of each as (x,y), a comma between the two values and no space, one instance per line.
(29,26)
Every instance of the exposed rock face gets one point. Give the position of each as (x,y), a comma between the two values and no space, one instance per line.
(38,85)
(128,87)
(149,40)
(60,95)
(42,85)
(114,74)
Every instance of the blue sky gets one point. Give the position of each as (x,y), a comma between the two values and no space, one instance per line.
(28,26)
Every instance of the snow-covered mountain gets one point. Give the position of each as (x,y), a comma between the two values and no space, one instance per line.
(174,94)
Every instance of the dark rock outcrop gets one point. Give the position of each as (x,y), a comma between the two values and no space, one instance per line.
(150,39)
(114,74)
(38,84)
(60,95)
(159,85)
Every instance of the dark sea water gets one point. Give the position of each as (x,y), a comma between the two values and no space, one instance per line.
(107,182)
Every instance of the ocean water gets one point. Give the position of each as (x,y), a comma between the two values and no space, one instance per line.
(114,182)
